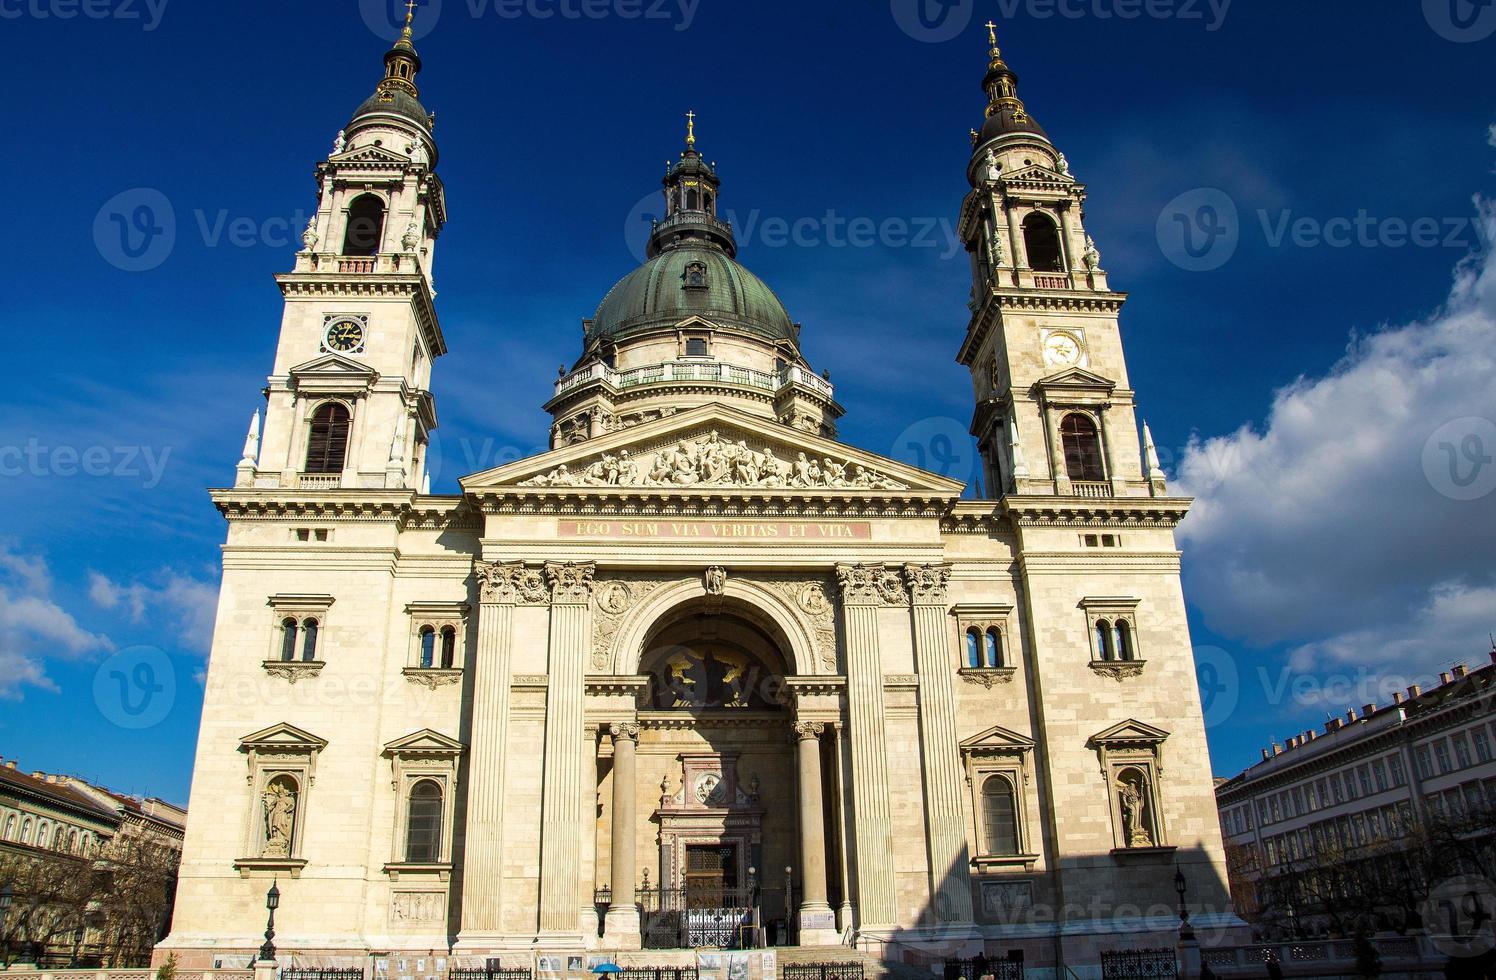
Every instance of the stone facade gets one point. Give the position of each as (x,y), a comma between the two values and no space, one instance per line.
(705,650)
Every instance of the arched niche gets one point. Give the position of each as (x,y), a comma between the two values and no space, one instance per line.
(706,656)
(743,598)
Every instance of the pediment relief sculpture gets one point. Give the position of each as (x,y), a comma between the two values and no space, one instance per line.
(712,461)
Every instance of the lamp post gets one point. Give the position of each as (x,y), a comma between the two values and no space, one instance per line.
(1186,931)
(77,943)
(272,902)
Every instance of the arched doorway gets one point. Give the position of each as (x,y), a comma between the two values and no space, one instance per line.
(716,778)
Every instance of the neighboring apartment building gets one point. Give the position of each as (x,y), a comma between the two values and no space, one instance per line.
(86,875)
(1362,824)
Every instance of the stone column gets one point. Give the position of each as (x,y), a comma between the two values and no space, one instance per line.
(1015,232)
(501,587)
(588,875)
(561,798)
(622,926)
(846,913)
(945,839)
(817,923)
(865,588)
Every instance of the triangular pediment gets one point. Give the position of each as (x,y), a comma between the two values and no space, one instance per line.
(1076,377)
(1038,175)
(334,366)
(370,154)
(1130,731)
(713,448)
(427,741)
(283,736)
(997,739)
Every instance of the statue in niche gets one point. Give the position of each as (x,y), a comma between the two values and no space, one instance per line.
(279,805)
(1134,805)
(716,580)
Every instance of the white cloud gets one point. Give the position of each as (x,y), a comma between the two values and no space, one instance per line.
(1323,530)
(34,628)
(188,605)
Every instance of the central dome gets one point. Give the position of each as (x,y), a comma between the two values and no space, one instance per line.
(691,280)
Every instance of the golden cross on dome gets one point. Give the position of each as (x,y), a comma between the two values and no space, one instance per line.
(691,128)
(992,34)
(410,15)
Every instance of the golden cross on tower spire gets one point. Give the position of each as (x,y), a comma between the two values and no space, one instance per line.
(992,37)
(410,16)
(691,129)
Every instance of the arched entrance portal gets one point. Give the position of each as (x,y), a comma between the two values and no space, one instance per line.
(717,802)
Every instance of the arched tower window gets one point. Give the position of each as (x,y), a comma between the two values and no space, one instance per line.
(999,817)
(1082,446)
(289,629)
(26,831)
(309,629)
(1123,634)
(10,827)
(1104,648)
(327,442)
(365,226)
(974,648)
(449,647)
(1041,239)
(423,826)
(428,647)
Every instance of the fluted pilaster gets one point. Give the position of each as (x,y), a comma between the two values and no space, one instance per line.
(561,801)
(864,588)
(941,749)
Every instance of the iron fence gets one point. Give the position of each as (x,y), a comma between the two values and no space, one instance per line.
(823,971)
(1128,964)
(322,973)
(657,973)
(484,973)
(975,969)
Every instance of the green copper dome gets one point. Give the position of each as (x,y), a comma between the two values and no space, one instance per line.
(686,280)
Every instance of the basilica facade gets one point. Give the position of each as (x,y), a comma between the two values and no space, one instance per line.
(701,675)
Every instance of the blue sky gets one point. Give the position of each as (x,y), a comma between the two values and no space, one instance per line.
(1307,385)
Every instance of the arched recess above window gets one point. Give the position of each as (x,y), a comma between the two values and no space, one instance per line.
(327,439)
(999,817)
(1041,241)
(1082,447)
(423,825)
(365,226)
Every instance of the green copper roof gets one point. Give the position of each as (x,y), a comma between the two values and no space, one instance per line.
(660,293)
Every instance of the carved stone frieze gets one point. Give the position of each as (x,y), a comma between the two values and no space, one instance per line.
(614,598)
(988,677)
(712,461)
(432,679)
(815,610)
(927,583)
(511,583)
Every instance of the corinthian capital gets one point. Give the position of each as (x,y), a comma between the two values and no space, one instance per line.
(927,583)
(570,582)
(870,585)
(509,583)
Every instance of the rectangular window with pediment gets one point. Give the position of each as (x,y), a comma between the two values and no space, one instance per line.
(984,652)
(997,765)
(1112,628)
(438,640)
(423,777)
(298,635)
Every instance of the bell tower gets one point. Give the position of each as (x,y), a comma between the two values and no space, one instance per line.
(349,404)
(1055,414)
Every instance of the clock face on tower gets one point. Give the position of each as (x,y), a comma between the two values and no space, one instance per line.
(344,336)
(1062,349)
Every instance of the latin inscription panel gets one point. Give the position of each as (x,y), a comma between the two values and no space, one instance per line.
(791,532)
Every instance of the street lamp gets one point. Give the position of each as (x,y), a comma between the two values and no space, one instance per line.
(1186,931)
(272,902)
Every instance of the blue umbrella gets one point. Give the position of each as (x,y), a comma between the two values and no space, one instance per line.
(607,968)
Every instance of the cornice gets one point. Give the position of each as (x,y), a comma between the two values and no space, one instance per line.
(335,285)
(1161,512)
(667,502)
(404,507)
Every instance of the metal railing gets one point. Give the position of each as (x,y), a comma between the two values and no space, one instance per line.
(717,372)
(823,971)
(321,973)
(1127,964)
(483,973)
(972,969)
(657,973)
